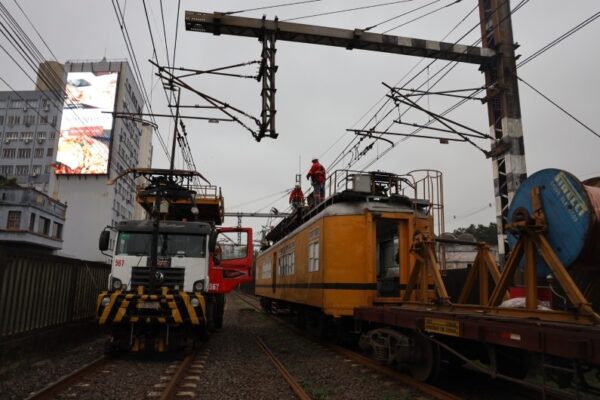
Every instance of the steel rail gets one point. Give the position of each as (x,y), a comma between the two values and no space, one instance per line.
(170,391)
(365,361)
(50,391)
(294,385)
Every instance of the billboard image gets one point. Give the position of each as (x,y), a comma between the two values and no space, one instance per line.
(85,128)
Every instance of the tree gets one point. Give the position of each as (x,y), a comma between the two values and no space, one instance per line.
(482,233)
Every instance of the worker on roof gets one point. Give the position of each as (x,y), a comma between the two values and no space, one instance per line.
(297,197)
(317,176)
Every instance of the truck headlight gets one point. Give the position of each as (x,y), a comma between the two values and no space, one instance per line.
(117,284)
(195,302)
(105,301)
(199,286)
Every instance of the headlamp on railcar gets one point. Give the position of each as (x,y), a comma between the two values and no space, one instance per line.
(195,302)
(116,284)
(199,285)
(105,301)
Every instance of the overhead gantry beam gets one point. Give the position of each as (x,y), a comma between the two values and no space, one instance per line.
(222,24)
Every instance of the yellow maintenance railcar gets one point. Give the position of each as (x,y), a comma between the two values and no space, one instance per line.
(351,249)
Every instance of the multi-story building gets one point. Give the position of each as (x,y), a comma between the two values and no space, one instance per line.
(144,161)
(95,147)
(70,149)
(29,126)
(29,217)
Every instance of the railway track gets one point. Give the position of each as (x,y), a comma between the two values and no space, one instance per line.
(178,379)
(405,379)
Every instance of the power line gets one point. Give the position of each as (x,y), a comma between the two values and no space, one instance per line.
(423,16)
(348,10)
(559,107)
(559,39)
(136,70)
(268,7)
(401,15)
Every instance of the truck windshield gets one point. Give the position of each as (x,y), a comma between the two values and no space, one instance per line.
(171,244)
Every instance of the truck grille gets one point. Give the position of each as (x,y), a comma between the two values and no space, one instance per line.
(171,277)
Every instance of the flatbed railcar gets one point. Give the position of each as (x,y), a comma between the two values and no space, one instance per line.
(367,262)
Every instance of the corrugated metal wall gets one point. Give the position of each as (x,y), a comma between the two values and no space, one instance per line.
(39,290)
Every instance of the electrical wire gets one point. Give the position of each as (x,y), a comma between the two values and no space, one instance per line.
(423,16)
(559,39)
(268,7)
(349,10)
(136,71)
(401,15)
(559,107)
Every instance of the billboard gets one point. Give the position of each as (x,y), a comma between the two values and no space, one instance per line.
(86,128)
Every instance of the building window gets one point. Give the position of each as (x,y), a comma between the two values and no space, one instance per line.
(41,135)
(57,230)
(2,103)
(36,170)
(26,136)
(14,120)
(52,135)
(43,119)
(16,104)
(32,222)
(9,153)
(12,136)
(6,170)
(313,256)
(1,119)
(39,153)
(44,226)
(24,153)
(53,123)
(14,220)
(32,103)
(47,169)
(22,170)
(29,120)
(50,151)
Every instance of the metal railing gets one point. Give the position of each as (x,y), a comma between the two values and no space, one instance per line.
(41,290)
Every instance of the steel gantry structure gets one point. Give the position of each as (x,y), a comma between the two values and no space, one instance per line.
(496,59)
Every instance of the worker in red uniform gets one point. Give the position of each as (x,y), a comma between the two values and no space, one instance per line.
(297,197)
(317,177)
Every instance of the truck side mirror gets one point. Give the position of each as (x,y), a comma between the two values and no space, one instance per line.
(104,240)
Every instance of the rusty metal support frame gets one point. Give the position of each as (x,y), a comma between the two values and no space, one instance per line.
(267,71)
(483,265)
(531,230)
(425,268)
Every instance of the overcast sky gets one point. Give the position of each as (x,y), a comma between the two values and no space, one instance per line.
(322,91)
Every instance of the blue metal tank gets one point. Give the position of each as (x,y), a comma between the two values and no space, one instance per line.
(572,215)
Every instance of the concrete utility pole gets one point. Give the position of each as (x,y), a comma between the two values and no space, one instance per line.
(496,57)
(504,110)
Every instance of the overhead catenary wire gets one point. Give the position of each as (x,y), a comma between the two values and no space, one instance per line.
(136,70)
(555,104)
(295,3)
(452,108)
(401,15)
(349,10)
(423,16)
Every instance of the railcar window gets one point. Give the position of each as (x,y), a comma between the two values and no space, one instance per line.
(313,256)
(138,244)
(266,269)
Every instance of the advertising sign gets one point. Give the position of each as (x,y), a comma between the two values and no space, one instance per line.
(85,130)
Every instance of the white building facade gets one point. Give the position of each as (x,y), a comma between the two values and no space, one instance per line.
(83,185)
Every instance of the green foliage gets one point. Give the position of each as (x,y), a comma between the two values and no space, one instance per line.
(8,182)
(482,233)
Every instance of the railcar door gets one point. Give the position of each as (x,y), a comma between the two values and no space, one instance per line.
(388,257)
